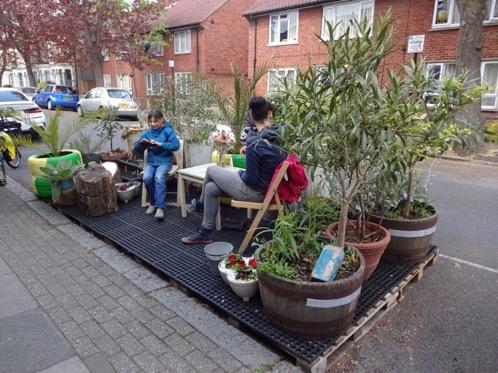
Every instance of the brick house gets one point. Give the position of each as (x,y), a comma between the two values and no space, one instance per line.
(283,32)
(204,37)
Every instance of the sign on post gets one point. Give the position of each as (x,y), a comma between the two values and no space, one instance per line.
(415,43)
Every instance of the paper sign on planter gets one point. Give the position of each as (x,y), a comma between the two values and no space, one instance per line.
(328,263)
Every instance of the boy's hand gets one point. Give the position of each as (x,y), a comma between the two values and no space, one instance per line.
(144,141)
(242,150)
(154,143)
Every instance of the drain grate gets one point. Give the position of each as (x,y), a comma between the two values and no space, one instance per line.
(157,244)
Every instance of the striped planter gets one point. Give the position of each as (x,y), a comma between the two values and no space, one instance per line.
(43,188)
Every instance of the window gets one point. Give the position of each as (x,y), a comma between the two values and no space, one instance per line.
(118,93)
(446,13)
(105,53)
(283,28)
(6,96)
(182,42)
(124,82)
(155,83)
(156,49)
(91,94)
(99,92)
(278,79)
(489,78)
(183,82)
(107,80)
(346,15)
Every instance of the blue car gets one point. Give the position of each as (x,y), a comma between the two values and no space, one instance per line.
(53,96)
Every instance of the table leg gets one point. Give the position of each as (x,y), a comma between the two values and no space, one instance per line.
(181,195)
(218,217)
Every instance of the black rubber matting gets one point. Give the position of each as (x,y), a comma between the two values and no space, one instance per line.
(158,244)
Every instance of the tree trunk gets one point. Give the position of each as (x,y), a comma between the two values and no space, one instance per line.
(29,68)
(472,13)
(343,221)
(97,70)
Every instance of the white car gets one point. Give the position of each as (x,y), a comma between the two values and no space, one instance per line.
(101,97)
(14,100)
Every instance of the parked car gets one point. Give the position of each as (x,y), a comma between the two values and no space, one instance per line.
(29,92)
(101,97)
(15,100)
(54,95)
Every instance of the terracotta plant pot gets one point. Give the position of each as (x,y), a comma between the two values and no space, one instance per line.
(371,251)
(310,309)
(410,238)
(114,156)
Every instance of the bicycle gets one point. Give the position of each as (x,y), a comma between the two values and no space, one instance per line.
(8,151)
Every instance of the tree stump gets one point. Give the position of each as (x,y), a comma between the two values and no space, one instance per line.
(96,192)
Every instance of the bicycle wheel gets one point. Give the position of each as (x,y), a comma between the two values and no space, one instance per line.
(3,176)
(16,161)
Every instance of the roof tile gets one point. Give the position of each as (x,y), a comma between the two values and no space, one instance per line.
(268,6)
(190,12)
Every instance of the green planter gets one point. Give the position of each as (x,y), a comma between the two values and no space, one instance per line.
(43,188)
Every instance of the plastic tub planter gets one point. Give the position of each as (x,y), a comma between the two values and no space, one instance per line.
(127,191)
(215,252)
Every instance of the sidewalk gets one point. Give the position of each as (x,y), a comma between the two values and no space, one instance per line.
(71,303)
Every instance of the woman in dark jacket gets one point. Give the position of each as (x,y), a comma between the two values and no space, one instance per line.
(263,155)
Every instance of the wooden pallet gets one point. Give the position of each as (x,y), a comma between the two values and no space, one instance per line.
(363,325)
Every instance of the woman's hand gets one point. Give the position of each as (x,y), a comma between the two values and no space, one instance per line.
(242,150)
(154,143)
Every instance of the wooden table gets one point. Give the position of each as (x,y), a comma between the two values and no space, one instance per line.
(196,175)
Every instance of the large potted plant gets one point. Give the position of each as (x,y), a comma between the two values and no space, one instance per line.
(107,127)
(60,177)
(334,121)
(291,299)
(427,127)
(55,137)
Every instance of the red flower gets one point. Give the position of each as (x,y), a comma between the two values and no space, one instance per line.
(252,263)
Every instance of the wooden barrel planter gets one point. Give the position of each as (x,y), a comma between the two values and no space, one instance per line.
(43,188)
(310,309)
(371,251)
(410,239)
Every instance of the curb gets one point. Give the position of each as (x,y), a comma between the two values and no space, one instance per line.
(467,160)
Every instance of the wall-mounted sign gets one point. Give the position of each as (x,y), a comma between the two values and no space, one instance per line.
(415,43)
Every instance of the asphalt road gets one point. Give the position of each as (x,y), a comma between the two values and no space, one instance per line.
(448,321)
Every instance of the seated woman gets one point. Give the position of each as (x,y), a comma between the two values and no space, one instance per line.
(160,141)
(262,158)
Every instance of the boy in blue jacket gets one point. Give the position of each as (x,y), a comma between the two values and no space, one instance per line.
(160,141)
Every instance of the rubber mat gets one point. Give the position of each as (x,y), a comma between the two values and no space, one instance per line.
(157,244)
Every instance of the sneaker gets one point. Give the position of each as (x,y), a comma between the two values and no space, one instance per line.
(159,214)
(195,206)
(201,235)
(150,210)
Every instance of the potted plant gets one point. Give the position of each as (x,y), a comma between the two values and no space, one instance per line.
(88,145)
(60,177)
(290,298)
(55,137)
(334,122)
(127,191)
(234,106)
(426,130)
(240,274)
(107,127)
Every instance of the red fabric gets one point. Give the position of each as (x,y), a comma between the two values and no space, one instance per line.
(290,190)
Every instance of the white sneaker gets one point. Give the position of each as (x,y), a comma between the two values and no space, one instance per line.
(159,214)
(150,210)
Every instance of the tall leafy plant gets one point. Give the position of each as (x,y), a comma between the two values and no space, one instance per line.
(333,114)
(56,135)
(108,126)
(234,107)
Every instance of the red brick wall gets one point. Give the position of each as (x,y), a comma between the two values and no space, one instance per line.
(410,17)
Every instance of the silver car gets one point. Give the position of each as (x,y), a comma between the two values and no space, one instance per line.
(101,97)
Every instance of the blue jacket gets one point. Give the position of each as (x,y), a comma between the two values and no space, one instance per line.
(161,154)
(263,155)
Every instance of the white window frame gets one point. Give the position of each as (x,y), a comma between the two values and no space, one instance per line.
(124,81)
(180,79)
(279,15)
(149,83)
(285,72)
(107,80)
(487,94)
(452,3)
(182,42)
(333,8)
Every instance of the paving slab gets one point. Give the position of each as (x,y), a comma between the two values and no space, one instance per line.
(29,342)
(118,261)
(73,365)
(14,298)
(4,268)
(50,214)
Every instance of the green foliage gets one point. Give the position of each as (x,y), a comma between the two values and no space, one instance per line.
(234,107)
(86,143)
(491,132)
(58,174)
(107,125)
(195,113)
(56,136)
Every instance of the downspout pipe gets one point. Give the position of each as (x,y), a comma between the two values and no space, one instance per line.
(197,49)
(255,44)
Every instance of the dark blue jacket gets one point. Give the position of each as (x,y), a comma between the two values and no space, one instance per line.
(263,155)
(161,154)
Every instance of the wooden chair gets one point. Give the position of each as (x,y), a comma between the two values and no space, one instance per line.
(178,165)
(270,203)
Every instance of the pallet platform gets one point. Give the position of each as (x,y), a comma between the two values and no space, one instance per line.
(157,245)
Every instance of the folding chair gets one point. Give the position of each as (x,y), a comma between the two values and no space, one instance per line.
(270,203)
(178,165)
